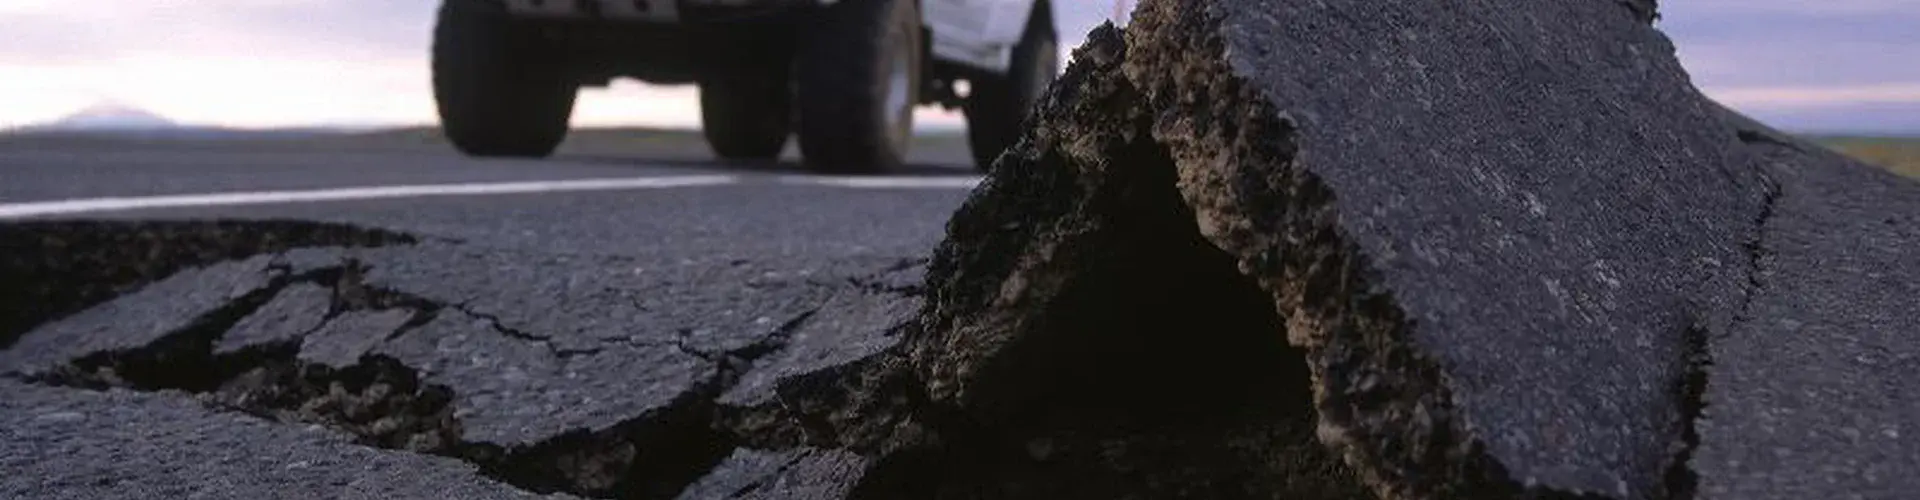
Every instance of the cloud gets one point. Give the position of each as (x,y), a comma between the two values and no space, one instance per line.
(217,90)
(46,32)
(1791,63)
(1804,65)
(1814,97)
(1803,8)
(1779,42)
(1899,118)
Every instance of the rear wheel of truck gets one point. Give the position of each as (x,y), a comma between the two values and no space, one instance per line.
(747,115)
(499,91)
(859,77)
(997,105)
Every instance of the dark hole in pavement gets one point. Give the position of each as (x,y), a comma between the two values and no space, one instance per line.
(1159,371)
(1681,480)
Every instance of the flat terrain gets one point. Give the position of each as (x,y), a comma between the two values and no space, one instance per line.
(1899,154)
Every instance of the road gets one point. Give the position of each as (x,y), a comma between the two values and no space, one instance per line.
(248,320)
(783,207)
(630,297)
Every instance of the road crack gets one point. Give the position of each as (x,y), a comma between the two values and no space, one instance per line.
(63,267)
(1756,250)
(735,363)
(383,403)
(1681,481)
(500,326)
(1690,390)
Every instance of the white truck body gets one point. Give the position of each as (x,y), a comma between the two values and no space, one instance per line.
(977,33)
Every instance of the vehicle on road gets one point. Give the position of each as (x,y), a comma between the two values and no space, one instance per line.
(842,75)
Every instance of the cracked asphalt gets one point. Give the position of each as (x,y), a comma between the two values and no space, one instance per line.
(1810,394)
(1544,267)
(583,343)
(123,444)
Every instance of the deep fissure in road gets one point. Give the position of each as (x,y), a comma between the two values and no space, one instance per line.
(1163,372)
(1682,482)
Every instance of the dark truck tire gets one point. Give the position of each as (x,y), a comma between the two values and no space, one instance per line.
(499,91)
(859,77)
(747,115)
(996,106)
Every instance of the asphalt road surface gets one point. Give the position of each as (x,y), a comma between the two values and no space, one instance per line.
(641,203)
(620,295)
(626,323)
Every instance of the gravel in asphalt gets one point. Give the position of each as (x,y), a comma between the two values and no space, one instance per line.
(121,444)
(1811,395)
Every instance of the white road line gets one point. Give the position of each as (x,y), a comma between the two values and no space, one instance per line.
(112,204)
(885,182)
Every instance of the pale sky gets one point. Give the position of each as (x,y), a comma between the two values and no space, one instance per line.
(1825,65)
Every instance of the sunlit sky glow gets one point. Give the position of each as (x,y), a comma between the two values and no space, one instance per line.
(1829,65)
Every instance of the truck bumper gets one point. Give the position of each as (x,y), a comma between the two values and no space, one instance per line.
(700,37)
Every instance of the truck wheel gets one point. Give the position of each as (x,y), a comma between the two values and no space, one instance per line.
(747,116)
(996,106)
(858,82)
(498,92)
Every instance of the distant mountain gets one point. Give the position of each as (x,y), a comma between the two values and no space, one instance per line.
(109,117)
(118,120)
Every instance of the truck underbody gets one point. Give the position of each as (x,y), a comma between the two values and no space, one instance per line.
(760,68)
(597,52)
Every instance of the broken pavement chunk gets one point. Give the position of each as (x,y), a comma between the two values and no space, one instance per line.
(344,339)
(58,267)
(851,326)
(294,311)
(583,302)
(179,302)
(1493,230)
(515,392)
